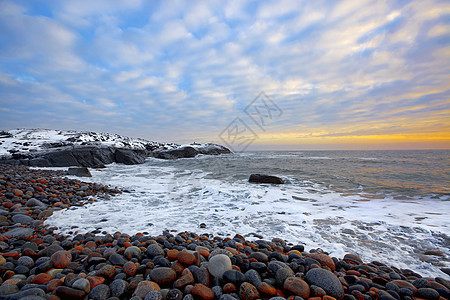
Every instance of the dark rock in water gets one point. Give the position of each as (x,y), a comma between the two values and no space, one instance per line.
(80,172)
(189,151)
(446,270)
(213,149)
(183,152)
(130,156)
(260,178)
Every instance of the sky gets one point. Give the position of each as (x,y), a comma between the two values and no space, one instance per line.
(261,75)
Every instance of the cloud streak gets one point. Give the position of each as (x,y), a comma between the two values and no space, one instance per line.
(181,71)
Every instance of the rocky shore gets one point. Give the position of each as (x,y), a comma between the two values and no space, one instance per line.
(58,148)
(38,263)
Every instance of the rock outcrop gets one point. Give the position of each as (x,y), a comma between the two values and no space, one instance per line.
(50,148)
(191,151)
(82,156)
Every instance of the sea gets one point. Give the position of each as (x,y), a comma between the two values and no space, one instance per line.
(387,206)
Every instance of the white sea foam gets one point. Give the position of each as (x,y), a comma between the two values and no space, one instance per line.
(165,196)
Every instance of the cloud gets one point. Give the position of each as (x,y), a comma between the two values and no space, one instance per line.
(186,69)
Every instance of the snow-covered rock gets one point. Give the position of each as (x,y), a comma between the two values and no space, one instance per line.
(46,147)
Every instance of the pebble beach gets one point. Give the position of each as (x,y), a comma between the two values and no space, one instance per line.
(38,263)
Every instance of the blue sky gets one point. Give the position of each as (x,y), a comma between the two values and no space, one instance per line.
(344,74)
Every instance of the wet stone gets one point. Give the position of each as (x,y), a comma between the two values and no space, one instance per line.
(297,286)
(100,292)
(118,288)
(233,276)
(183,281)
(274,266)
(145,287)
(61,259)
(66,292)
(352,259)
(203,292)
(37,292)
(282,274)
(266,289)
(22,219)
(218,292)
(253,277)
(218,265)
(228,297)
(202,276)
(260,257)
(26,261)
(107,271)
(163,276)
(258,266)
(186,258)
(117,260)
(131,252)
(82,284)
(174,294)
(6,289)
(154,295)
(48,251)
(130,268)
(428,293)
(326,280)
(248,291)
(154,250)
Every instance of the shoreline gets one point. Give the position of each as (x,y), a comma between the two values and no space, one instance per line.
(124,264)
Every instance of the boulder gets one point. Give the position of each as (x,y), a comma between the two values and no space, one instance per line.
(63,158)
(39,162)
(80,172)
(213,149)
(130,156)
(182,152)
(92,156)
(261,178)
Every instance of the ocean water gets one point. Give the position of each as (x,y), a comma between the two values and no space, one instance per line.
(389,206)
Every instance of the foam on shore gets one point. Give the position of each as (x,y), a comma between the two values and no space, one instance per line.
(161,196)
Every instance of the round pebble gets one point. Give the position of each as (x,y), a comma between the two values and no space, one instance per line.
(219,264)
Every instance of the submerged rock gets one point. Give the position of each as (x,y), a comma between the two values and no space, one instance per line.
(80,172)
(261,178)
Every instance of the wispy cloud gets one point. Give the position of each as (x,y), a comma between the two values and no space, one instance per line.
(175,70)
